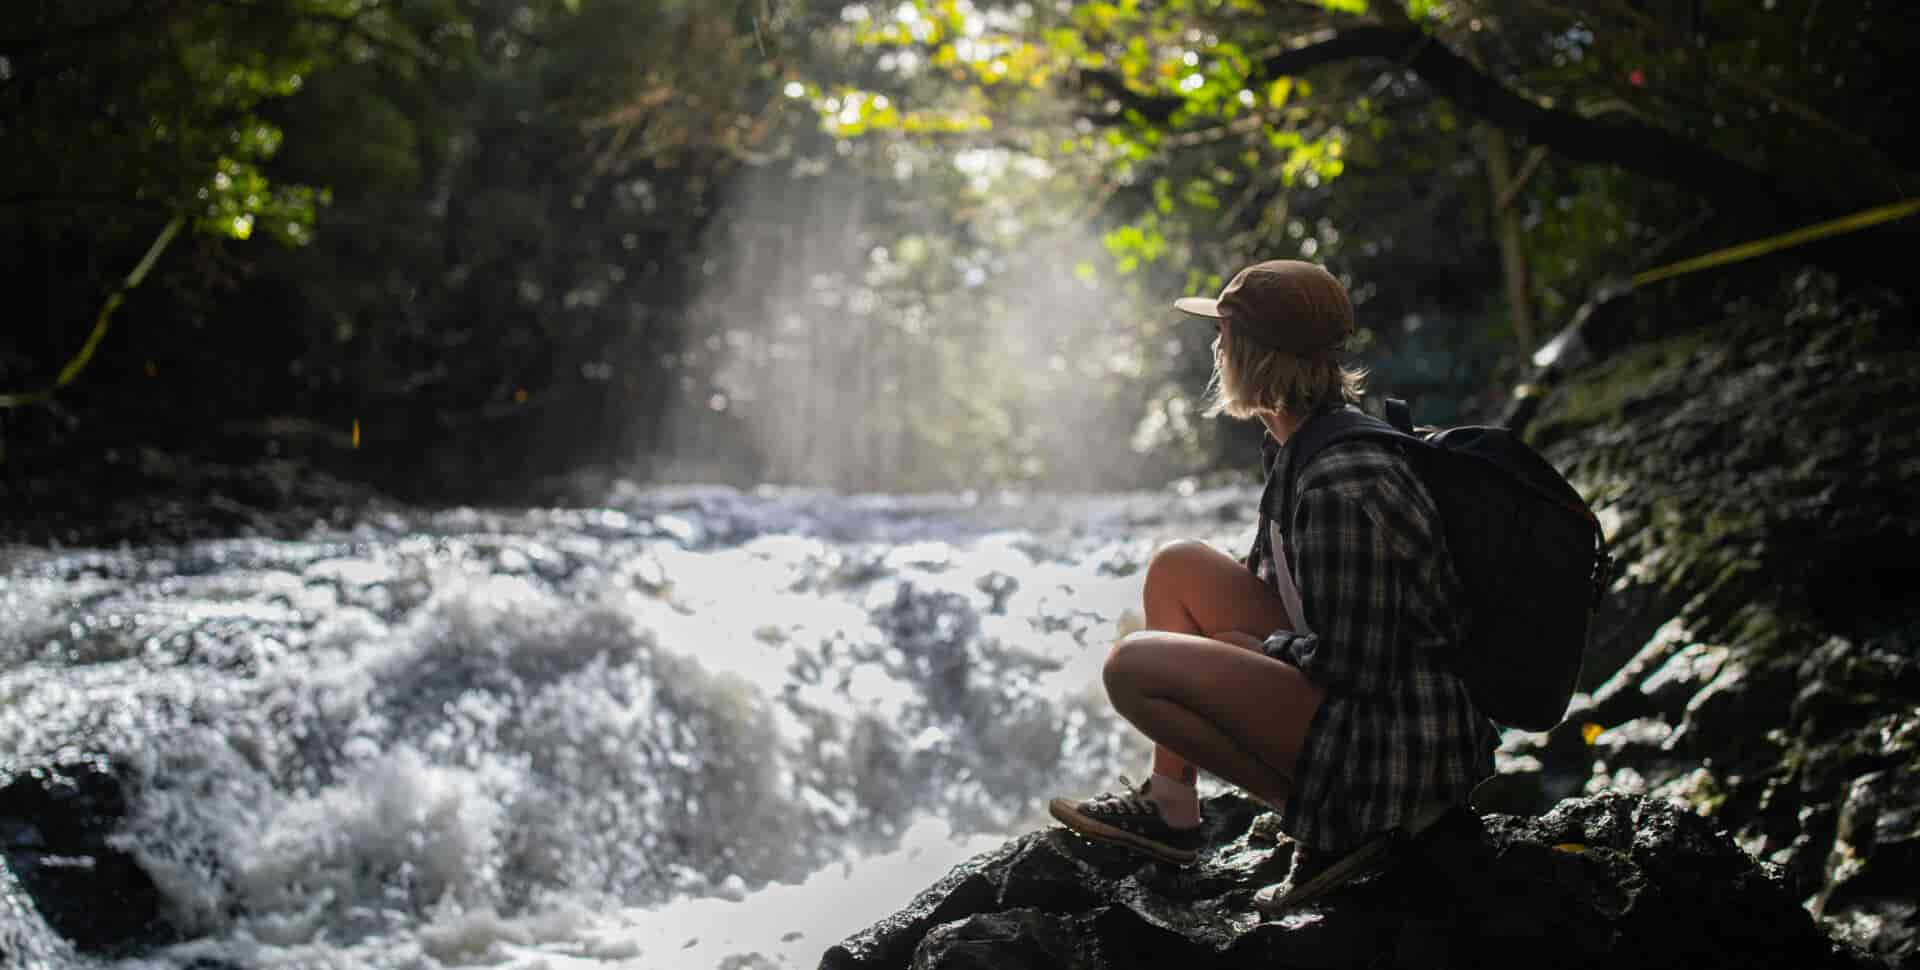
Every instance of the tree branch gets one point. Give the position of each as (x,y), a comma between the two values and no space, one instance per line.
(1117,99)
(1630,145)
(350,24)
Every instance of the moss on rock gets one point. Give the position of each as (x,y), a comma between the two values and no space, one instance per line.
(1760,475)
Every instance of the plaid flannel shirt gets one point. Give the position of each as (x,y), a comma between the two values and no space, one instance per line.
(1397,731)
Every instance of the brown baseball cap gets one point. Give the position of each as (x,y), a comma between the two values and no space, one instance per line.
(1288,305)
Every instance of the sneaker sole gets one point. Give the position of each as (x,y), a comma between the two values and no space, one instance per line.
(1064,812)
(1348,868)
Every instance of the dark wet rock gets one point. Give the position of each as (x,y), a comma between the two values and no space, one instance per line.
(1659,681)
(1759,477)
(999,588)
(1010,940)
(146,495)
(1639,878)
(1613,882)
(1631,618)
(56,826)
(25,938)
(1868,879)
(891,942)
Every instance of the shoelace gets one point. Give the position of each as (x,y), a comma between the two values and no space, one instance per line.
(1129,800)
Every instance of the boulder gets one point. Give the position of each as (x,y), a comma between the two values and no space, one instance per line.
(25,939)
(1612,881)
(55,830)
(1763,514)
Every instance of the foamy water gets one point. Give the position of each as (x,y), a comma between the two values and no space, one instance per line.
(694,728)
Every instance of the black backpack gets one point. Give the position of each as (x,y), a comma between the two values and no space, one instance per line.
(1528,550)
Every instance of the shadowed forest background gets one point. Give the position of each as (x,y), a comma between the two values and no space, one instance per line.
(463,249)
(385,388)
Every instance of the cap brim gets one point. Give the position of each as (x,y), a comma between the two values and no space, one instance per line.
(1199,306)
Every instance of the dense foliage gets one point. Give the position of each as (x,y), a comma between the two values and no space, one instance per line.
(462,246)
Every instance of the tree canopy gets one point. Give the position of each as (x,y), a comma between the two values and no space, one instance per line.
(460,246)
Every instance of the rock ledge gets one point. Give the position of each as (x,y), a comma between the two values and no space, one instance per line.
(1611,881)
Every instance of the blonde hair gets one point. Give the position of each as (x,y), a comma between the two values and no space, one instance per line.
(1250,380)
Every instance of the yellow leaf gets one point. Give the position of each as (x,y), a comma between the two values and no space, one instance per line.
(1573,847)
(1278,92)
(1590,731)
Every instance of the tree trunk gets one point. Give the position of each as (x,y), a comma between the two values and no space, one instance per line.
(1506,222)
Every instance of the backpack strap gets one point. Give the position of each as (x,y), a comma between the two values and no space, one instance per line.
(1400,415)
(1319,432)
(1330,428)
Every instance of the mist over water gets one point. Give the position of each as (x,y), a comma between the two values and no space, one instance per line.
(687,726)
(870,332)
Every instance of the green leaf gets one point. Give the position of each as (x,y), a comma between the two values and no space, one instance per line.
(1199,195)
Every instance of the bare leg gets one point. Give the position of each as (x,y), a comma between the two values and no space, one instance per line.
(1237,713)
(1192,588)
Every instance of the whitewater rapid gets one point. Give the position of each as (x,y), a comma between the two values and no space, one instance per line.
(690,728)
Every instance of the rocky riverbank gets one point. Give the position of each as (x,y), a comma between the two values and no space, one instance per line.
(149,495)
(1614,881)
(1761,479)
(1753,682)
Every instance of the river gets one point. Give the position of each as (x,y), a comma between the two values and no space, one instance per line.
(690,728)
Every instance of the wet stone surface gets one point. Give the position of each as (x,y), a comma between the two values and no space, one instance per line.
(1612,881)
(55,830)
(1764,514)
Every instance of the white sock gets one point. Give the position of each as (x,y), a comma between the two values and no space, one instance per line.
(1179,802)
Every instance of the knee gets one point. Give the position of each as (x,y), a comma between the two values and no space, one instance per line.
(1126,664)
(1173,561)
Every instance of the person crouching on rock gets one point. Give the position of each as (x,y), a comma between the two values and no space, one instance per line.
(1313,675)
